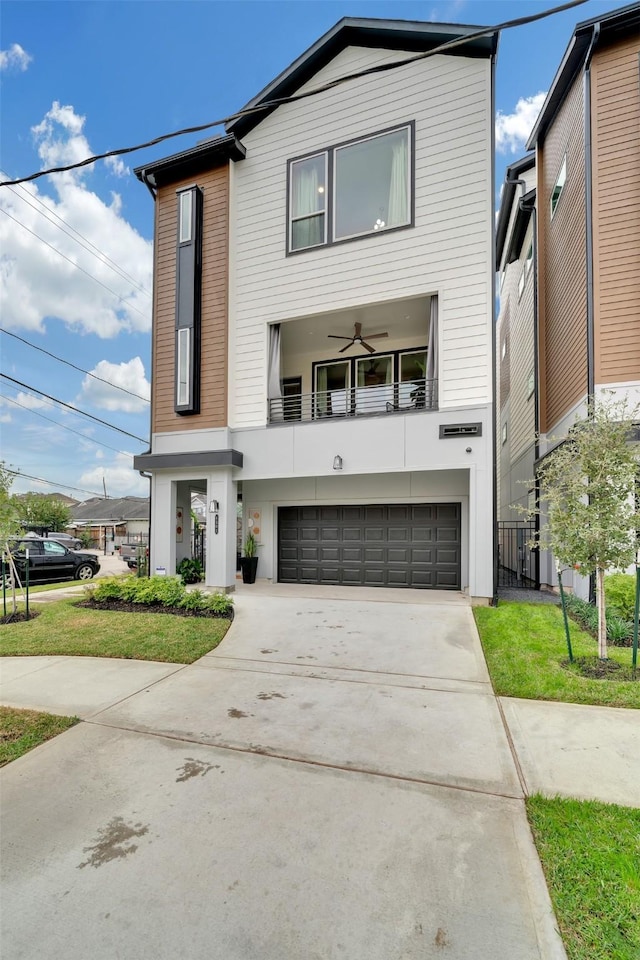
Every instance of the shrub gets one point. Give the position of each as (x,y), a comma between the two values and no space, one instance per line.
(190,570)
(193,600)
(220,603)
(619,629)
(108,588)
(167,591)
(620,592)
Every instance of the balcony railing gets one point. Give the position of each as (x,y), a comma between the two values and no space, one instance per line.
(355,402)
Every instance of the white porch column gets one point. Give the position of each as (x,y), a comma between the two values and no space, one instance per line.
(163,531)
(183,539)
(221,535)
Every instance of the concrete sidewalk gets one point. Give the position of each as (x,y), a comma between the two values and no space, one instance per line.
(334,780)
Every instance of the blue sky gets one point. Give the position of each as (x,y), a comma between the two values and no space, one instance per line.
(85,77)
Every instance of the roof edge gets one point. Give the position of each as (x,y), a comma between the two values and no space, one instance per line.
(512,173)
(211,153)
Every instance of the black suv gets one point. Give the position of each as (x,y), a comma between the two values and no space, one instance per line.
(49,560)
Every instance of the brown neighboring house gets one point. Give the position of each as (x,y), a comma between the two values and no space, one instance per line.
(568,251)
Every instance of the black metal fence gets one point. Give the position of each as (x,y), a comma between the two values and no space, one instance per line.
(518,563)
(198,545)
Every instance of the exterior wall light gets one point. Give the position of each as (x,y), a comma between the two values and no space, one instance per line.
(337,462)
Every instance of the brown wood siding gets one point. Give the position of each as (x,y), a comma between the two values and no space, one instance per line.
(562,265)
(214,319)
(615,104)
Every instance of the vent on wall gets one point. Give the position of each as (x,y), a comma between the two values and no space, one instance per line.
(460,430)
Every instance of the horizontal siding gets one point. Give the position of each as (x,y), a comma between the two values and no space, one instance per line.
(616,207)
(447,252)
(214,324)
(562,264)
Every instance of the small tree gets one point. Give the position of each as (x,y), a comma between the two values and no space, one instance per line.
(588,483)
(9,523)
(38,511)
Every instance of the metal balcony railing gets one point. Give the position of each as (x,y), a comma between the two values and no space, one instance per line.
(355,402)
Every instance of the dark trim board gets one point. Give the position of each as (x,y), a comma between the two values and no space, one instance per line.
(207,458)
(410,545)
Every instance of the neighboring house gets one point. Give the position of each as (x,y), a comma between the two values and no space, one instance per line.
(568,252)
(112,520)
(322,334)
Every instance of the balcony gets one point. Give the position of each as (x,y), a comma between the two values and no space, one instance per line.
(366,401)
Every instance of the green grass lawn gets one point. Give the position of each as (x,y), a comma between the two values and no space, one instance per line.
(525,645)
(22,730)
(63,629)
(590,854)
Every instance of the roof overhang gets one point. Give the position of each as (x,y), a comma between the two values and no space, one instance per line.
(215,152)
(412,36)
(207,458)
(520,225)
(608,27)
(512,175)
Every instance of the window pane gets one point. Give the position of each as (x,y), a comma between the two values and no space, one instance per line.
(185,216)
(182,385)
(413,366)
(308,187)
(374,371)
(308,232)
(372,184)
(332,384)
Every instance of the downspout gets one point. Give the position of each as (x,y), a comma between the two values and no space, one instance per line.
(588,199)
(494,320)
(588,189)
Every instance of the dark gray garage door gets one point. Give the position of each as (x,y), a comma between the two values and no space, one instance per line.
(402,545)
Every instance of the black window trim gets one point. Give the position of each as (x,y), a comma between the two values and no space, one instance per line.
(329,152)
(191,321)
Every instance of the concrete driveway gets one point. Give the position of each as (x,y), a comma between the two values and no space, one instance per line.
(334,781)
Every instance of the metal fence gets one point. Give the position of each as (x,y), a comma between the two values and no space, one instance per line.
(198,546)
(356,401)
(518,563)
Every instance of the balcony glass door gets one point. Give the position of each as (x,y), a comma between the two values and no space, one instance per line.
(332,388)
(374,378)
(412,379)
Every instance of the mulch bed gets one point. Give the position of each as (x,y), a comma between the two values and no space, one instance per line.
(124,607)
(595,669)
(19,617)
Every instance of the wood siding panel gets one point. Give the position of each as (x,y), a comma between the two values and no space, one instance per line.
(616,210)
(562,264)
(447,252)
(214,320)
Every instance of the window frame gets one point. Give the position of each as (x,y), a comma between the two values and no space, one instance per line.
(554,199)
(324,213)
(330,192)
(181,351)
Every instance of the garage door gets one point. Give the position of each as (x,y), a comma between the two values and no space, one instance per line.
(377,545)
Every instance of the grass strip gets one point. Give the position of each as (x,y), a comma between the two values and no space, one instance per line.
(22,730)
(525,648)
(590,855)
(64,629)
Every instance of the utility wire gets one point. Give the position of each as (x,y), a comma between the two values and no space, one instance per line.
(64,426)
(280,101)
(78,238)
(69,364)
(71,407)
(72,262)
(52,483)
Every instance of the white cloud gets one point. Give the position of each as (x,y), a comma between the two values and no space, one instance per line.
(128,375)
(15,58)
(513,129)
(33,403)
(35,281)
(117,167)
(5,418)
(120,479)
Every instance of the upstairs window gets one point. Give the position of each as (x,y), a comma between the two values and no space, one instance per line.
(188,300)
(351,190)
(556,193)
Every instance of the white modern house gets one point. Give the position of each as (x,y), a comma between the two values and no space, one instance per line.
(322,340)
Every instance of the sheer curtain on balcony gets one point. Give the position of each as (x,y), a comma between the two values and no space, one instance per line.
(274,378)
(397,212)
(431,394)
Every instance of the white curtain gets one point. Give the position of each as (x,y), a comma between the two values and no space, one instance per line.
(274,379)
(321,392)
(398,187)
(305,203)
(431,385)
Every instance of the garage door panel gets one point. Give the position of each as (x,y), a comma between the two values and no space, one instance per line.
(395,545)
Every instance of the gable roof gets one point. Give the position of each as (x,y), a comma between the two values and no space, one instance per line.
(410,35)
(111,510)
(216,151)
(617,24)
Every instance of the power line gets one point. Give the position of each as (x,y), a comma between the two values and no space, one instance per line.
(52,483)
(78,238)
(69,364)
(64,426)
(280,101)
(71,407)
(72,262)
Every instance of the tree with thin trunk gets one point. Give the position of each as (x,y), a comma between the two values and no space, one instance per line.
(9,527)
(588,485)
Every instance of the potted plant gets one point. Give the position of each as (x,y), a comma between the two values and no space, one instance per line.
(249,563)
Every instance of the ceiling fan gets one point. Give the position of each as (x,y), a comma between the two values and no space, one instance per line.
(358,338)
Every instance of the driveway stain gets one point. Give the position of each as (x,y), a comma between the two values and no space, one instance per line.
(112,842)
(271,696)
(268,651)
(194,768)
(306,658)
(441,938)
(236,714)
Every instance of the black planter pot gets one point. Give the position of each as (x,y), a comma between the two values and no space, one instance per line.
(248,565)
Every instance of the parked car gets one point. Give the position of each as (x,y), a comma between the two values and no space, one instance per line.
(131,552)
(72,543)
(50,561)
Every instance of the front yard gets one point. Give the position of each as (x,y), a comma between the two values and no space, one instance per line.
(64,629)
(22,730)
(526,652)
